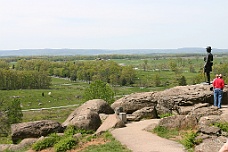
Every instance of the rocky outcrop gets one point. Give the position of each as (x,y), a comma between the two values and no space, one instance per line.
(113,121)
(87,115)
(144,113)
(192,119)
(212,144)
(34,129)
(177,100)
(134,102)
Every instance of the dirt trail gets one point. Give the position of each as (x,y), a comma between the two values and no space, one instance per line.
(138,140)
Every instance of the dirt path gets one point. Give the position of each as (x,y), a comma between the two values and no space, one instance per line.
(138,140)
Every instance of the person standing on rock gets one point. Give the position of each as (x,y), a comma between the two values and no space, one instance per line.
(218,85)
(208,64)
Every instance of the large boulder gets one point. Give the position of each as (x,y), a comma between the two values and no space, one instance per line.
(97,105)
(134,102)
(84,119)
(34,129)
(87,115)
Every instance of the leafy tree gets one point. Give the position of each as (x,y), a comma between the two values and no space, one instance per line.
(157,81)
(99,90)
(145,65)
(4,64)
(173,65)
(192,69)
(182,81)
(14,112)
(200,77)
(127,75)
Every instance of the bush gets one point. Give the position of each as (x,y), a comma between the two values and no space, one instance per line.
(47,142)
(222,125)
(65,144)
(99,90)
(14,113)
(189,140)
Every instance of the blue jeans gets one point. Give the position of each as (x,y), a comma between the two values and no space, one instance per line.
(218,97)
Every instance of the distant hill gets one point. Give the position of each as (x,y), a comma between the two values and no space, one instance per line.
(67,52)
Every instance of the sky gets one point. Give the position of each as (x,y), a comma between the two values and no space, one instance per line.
(113,24)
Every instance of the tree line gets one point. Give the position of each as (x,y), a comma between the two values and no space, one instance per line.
(35,73)
(12,79)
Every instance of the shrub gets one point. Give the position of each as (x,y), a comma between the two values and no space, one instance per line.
(222,125)
(71,130)
(99,90)
(65,144)
(47,142)
(189,140)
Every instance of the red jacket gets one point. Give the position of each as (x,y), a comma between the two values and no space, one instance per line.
(218,83)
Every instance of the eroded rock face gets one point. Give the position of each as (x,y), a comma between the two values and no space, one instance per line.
(134,102)
(173,100)
(34,129)
(145,113)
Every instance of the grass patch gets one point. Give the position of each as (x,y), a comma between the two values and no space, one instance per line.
(59,115)
(165,132)
(111,145)
(165,115)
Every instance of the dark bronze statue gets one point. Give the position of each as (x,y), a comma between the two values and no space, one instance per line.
(208,64)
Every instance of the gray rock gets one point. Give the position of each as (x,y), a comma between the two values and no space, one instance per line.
(34,129)
(172,121)
(212,144)
(173,100)
(16,147)
(204,111)
(97,105)
(84,119)
(77,136)
(210,130)
(179,121)
(145,113)
(134,102)
(113,121)
(87,115)
(208,120)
